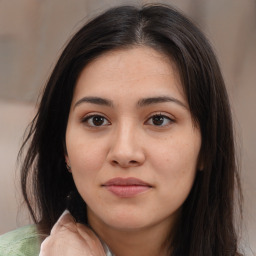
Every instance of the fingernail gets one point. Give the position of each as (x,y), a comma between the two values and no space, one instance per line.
(58,221)
(63,214)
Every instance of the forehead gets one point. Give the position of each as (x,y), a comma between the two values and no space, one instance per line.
(134,70)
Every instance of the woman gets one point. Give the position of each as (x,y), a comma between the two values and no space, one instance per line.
(134,136)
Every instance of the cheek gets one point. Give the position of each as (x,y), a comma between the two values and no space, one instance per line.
(175,172)
(175,161)
(86,165)
(86,159)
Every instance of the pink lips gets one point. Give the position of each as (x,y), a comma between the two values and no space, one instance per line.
(126,187)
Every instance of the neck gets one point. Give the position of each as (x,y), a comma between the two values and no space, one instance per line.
(150,241)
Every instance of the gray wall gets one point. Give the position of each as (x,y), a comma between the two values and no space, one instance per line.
(32,33)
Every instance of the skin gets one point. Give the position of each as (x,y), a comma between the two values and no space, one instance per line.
(130,141)
(70,238)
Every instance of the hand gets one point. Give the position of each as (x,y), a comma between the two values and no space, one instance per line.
(69,238)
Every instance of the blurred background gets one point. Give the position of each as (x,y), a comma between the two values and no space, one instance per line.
(32,35)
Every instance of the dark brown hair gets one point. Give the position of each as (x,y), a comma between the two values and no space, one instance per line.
(206,225)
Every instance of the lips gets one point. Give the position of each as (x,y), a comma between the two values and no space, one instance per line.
(127,187)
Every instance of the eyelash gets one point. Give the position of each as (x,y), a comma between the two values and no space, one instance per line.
(165,117)
(90,117)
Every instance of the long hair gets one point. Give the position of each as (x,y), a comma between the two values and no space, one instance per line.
(206,225)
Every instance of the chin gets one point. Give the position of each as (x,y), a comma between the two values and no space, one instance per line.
(127,225)
(128,221)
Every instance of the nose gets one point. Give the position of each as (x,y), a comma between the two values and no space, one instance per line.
(126,148)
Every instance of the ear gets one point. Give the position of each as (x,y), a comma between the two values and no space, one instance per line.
(67,163)
(64,147)
(200,167)
(67,159)
(65,153)
(200,163)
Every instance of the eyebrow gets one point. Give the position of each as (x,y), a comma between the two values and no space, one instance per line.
(141,103)
(160,99)
(95,100)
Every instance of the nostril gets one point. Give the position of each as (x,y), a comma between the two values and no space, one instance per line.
(114,162)
(125,163)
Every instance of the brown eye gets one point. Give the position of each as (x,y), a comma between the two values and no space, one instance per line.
(95,121)
(98,120)
(159,120)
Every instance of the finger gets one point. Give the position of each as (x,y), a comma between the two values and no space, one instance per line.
(83,239)
(86,232)
(66,221)
(43,247)
(91,238)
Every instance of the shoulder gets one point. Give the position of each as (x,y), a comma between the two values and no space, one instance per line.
(20,242)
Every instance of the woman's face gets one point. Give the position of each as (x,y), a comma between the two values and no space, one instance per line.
(131,142)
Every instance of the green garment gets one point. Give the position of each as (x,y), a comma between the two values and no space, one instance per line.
(20,242)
